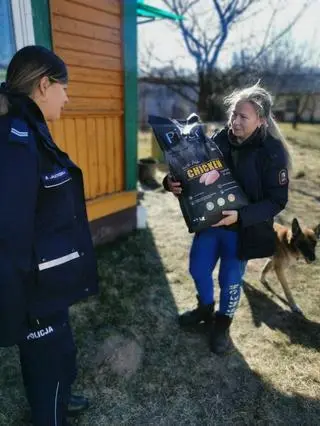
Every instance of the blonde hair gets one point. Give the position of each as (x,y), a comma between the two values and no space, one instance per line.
(262,101)
(24,83)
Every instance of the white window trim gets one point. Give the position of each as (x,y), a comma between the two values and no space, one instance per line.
(23,23)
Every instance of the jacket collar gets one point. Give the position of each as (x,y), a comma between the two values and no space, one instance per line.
(23,105)
(255,138)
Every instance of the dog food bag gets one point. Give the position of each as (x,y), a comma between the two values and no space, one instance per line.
(208,187)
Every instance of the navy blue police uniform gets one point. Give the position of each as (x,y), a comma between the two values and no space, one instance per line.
(47,260)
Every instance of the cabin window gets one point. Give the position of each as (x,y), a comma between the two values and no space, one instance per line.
(16,29)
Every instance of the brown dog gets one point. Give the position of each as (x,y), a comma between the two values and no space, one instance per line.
(292,244)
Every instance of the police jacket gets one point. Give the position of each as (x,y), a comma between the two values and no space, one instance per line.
(259,165)
(47,259)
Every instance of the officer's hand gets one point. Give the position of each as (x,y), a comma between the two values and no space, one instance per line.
(174,187)
(231,217)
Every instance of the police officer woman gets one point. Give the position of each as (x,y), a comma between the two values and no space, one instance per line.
(47,261)
(256,152)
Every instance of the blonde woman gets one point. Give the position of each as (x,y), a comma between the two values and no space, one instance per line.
(47,261)
(257,154)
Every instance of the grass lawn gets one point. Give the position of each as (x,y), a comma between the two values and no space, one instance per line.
(306,135)
(139,368)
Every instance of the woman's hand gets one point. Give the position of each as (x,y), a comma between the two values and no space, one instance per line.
(174,187)
(231,217)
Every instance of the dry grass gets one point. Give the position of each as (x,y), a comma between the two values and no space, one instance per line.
(140,369)
(306,135)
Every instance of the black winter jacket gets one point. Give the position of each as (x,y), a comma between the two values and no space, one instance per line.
(260,166)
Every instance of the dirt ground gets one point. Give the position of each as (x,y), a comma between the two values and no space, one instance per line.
(139,368)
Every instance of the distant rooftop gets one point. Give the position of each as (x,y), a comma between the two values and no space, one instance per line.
(293,83)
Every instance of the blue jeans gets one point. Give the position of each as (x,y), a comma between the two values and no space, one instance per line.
(207,248)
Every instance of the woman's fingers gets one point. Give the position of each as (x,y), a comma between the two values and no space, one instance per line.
(175,187)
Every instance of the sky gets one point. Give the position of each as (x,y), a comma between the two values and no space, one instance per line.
(167,42)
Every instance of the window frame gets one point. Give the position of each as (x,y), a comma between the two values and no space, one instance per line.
(22,23)
(22,27)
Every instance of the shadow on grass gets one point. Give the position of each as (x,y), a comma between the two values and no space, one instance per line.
(299,329)
(178,381)
(272,291)
(156,374)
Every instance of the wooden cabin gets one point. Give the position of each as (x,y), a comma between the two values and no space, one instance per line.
(97,39)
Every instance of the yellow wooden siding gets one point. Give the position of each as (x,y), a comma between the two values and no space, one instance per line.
(86,29)
(77,89)
(111,204)
(118,153)
(111,6)
(84,44)
(87,35)
(95,144)
(102,155)
(90,60)
(86,12)
(102,106)
(87,75)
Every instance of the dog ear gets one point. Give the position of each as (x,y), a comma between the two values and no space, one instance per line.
(296,230)
(316,231)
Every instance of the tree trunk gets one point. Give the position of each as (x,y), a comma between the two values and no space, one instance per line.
(296,117)
(205,93)
(313,109)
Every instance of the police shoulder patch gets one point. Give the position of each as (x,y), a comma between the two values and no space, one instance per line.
(19,131)
(283,177)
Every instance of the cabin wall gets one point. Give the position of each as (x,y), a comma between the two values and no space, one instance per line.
(88,37)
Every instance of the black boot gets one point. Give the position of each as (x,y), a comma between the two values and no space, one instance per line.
(77,405)
(202,313)
(220,340)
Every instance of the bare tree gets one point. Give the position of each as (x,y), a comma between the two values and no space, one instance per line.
(205,36)
(290,70)
(179,80)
